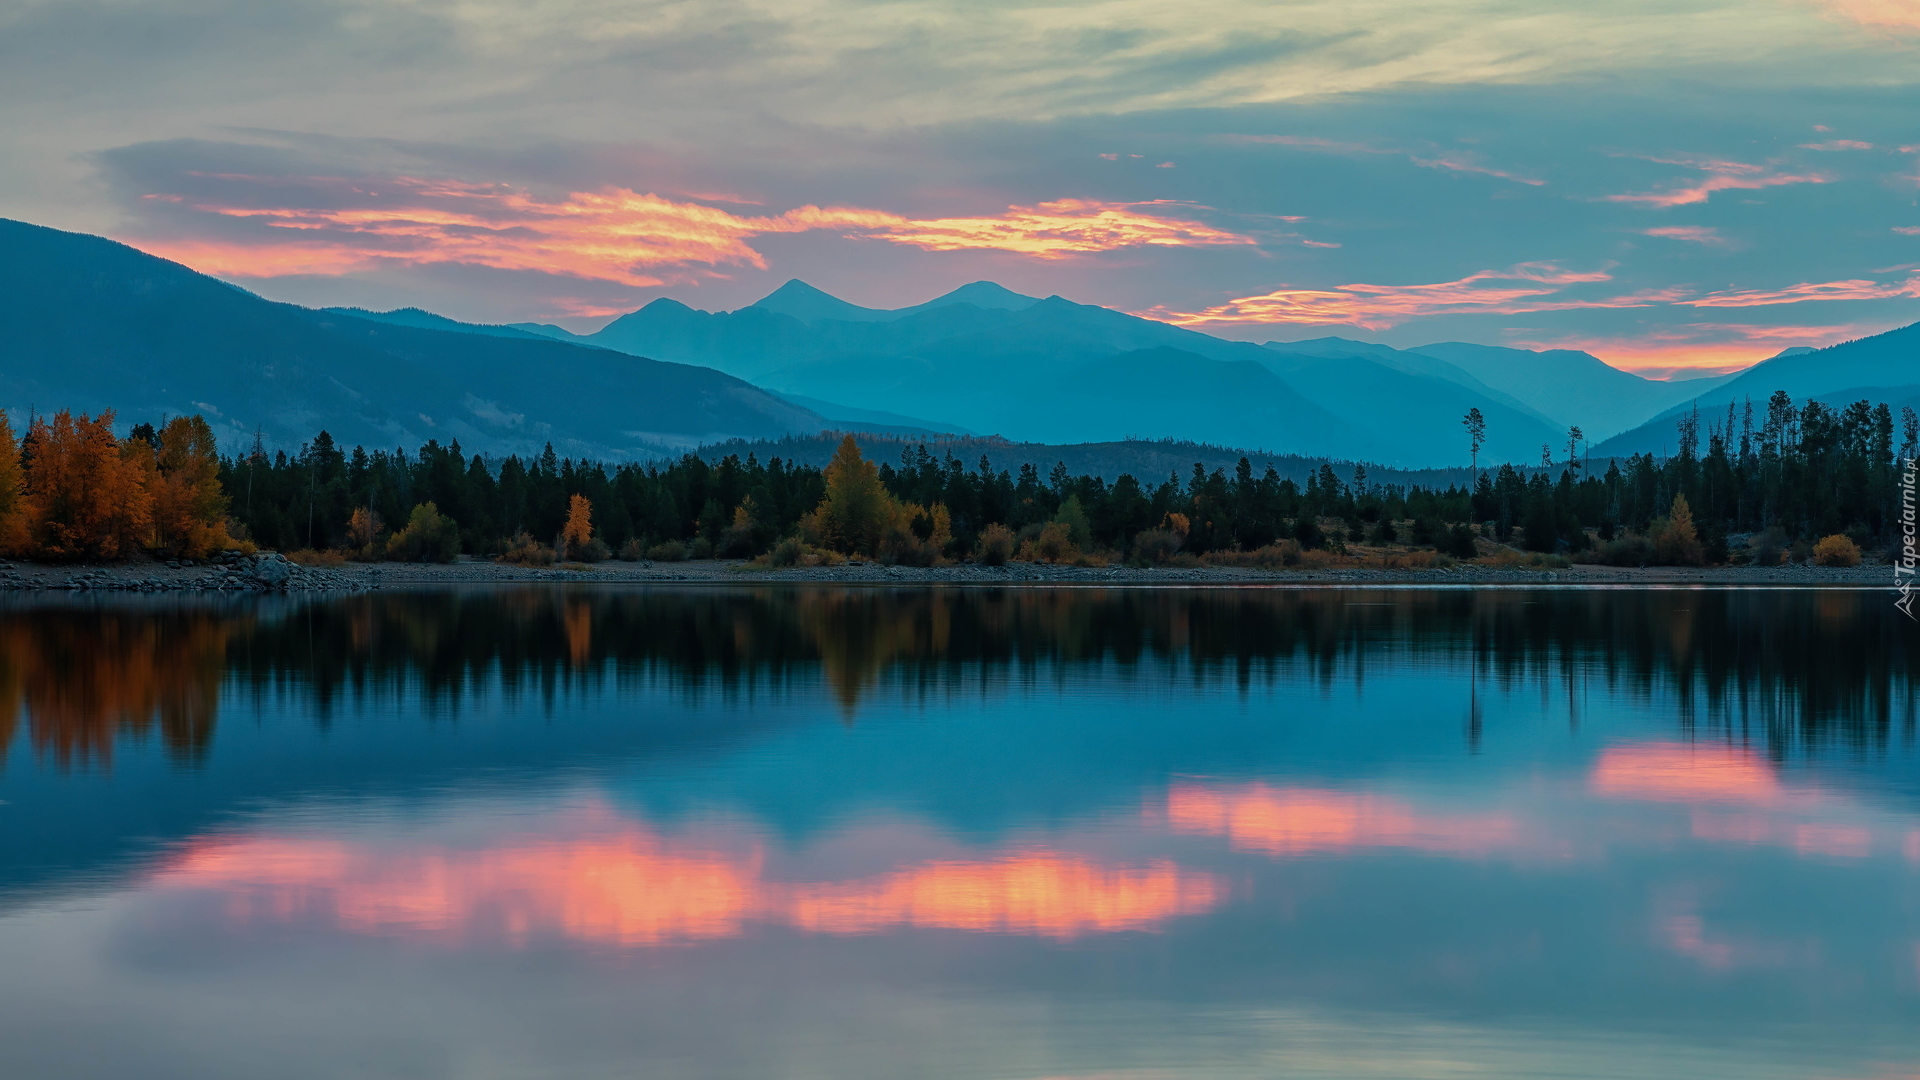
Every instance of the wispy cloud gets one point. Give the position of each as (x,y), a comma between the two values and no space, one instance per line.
(1446,161)
(1692,234)
(1854,289)
(1528,287)
(1837,144)
(1722,175)
(1523,289)
(622,236)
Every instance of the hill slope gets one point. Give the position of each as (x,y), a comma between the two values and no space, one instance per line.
(1882,368)
(92,324)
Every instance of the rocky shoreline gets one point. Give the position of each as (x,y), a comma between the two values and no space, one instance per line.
(266,572)
(273,573)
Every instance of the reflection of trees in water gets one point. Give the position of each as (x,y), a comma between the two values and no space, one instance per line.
(1792,668)
(86,678)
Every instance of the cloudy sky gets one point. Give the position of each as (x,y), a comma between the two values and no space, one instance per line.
(1670,184)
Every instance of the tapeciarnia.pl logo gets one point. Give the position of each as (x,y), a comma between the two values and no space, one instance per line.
(1903,566)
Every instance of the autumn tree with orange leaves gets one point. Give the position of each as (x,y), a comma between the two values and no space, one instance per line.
(189,507)
(87,496)
(75,492)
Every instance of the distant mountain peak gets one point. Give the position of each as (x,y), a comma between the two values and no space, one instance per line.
(983,294)
(802,301)
(808,303)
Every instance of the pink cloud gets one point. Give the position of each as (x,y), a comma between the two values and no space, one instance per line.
(622,236)
(1528,287)
(1723,175)
(1456,165)
(1853,289)
(1692,234)
(1837,144)
(1907,230)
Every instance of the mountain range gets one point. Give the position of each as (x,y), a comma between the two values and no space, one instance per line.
(96,324)
(92,324)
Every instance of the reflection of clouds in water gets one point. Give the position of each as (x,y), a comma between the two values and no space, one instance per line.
(1282,821)
(604,880)
(1685,772)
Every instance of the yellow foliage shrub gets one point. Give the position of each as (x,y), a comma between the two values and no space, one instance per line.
(1836,550)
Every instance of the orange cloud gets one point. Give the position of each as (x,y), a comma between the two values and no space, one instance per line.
(626,237)
(631,887)
(1291,821)
(1685,772)
(1723,176)
(1519,289)
(1052,230)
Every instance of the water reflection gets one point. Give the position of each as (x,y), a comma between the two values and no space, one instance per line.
(593,877)
(874,833)
(86,679)
(1790,669)
(1292,821)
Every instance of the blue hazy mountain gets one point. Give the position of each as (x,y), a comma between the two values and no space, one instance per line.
(1569,386)
(874,421)
(1051,370)
(1882,368)
(427,320)
(93,324)
(810,305)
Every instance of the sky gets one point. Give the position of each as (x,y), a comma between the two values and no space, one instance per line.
(1677,186)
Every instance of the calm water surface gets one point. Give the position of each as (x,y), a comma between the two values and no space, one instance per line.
(853,833)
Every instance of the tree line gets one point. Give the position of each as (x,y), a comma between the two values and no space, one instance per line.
(1765,485)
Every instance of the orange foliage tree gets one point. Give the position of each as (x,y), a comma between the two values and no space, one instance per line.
(13,516)
(75,492)
(87,495)
(189,507)
(576,536)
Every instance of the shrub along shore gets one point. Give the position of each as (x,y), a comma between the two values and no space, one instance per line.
(1807,485)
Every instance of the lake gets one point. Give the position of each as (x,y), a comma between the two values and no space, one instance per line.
(1009,833)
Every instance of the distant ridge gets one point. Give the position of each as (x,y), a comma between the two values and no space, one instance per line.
(427,320)
(799,300)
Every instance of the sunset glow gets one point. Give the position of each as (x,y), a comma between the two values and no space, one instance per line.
(1527,287)
(622,236)
(633,887)
(1284,821)
(1682,772)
